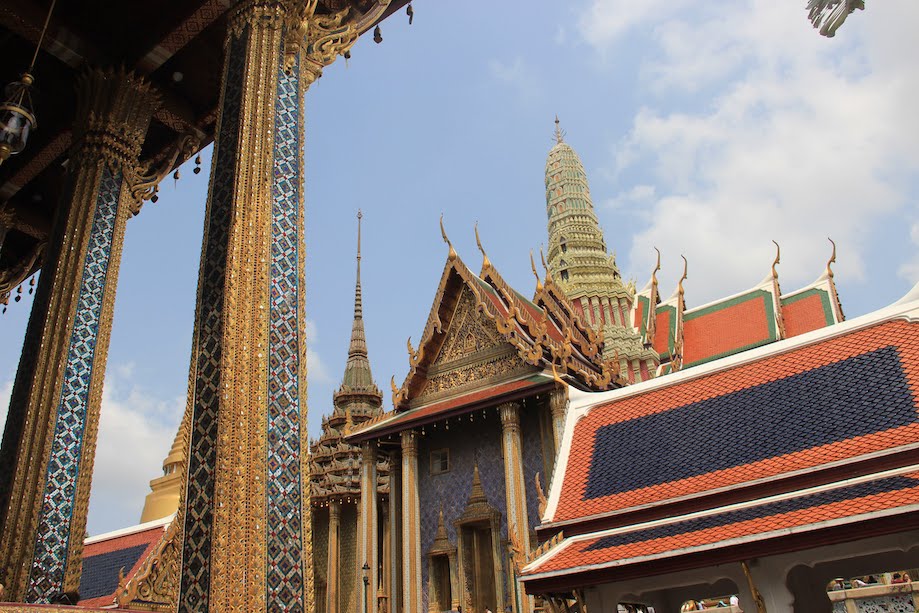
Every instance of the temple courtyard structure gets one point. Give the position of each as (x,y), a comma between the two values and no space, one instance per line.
(582,445)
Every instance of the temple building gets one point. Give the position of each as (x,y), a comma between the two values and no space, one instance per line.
(335,482)
(766,474)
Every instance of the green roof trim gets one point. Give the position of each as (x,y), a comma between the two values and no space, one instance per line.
(667,308)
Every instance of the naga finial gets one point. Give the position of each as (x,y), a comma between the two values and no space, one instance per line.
(486,263)
(443,233)
(777,261)
(832,260)
(535,274)
(559,135)
(679,285)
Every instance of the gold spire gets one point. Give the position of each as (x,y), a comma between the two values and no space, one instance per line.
(358,378)
(559,135)
(477,494)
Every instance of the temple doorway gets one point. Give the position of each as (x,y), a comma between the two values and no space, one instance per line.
(440,578)
(479,562)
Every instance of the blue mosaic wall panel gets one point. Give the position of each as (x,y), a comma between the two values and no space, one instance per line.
(195,574)
(49,560)
(284,565)
(469,442)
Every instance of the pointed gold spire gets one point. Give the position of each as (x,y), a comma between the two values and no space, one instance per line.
(477,494)
(358,378)
(559,135)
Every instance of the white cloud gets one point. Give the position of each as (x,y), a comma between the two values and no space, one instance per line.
(516,74)
(316,368)
(6,391)
(606,21)
(136,430)
(634,195)
(910,269)
(801,138)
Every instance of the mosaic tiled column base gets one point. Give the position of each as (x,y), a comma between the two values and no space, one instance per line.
(50,437)
(247,528)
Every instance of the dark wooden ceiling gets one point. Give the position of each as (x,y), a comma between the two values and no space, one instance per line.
(176,44)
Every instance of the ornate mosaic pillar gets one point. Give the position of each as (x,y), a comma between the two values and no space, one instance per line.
(247,541)
(411,525)
(367,549)
(518,529)
(395,531)
(50,436)
(332,595)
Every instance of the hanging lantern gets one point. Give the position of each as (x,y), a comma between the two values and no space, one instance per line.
(17,119)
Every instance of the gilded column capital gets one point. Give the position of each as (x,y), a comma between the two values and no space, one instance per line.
(270,14)
(510,415)
(410,444)
(558,402)
(368,454)
(114,108)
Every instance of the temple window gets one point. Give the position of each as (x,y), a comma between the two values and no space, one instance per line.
(440,461)
(564,275)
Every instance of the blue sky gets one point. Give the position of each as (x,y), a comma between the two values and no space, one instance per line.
(705,131)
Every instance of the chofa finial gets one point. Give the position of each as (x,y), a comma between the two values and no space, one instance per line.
(485,261)
(657,267)
(832,260)
(778,260)
(535,274)
(679,285)
(443,233)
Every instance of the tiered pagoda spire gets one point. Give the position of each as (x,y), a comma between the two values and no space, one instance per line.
(581,266)
(336,464)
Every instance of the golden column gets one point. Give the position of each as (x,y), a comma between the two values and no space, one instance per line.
(411,525)
(246,521)
(395,532)
(247,543)
(332,595)
(518,529)
(367,549)
(46,464)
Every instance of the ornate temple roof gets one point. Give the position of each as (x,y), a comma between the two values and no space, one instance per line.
(485,342)
(788,439)
(727,326)
(335,464)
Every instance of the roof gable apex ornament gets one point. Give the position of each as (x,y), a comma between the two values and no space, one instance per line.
(452,255)
(486,263)
(539,286)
